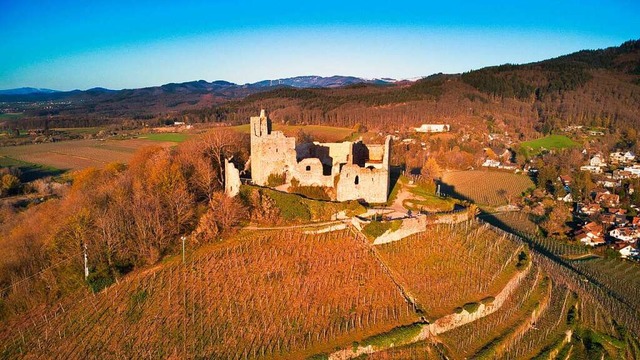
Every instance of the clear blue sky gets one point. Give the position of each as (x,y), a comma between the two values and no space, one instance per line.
(125,44)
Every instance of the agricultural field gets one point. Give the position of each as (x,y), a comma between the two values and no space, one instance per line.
(11,116)
(548,142)
(77,154)
(278,294)
(483,187)
(450,266)
(167,137)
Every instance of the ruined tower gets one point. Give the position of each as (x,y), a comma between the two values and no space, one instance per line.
(271,151)
(260,125)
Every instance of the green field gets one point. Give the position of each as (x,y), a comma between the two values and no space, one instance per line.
(11,116)
(549,142)
(173,137)
(30,171)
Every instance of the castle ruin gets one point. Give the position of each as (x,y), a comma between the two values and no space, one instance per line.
(352,170)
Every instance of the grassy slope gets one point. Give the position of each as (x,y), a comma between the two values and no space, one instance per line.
(549,142)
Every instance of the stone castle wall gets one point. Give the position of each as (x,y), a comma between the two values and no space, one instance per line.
(355,170)
(231,179)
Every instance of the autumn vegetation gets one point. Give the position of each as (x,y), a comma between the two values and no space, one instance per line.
(127,216)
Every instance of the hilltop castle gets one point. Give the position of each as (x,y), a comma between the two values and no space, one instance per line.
(351,170)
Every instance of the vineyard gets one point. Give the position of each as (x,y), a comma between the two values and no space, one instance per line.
(517,221)
(449,266)
(279,294)
(622,277)
(79,154)
(267,295)
(491,188)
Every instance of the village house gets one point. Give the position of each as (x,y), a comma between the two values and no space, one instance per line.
(634,170)
(597,160)
(609,219)
(609,183)
(605,198)
(433,128)
(590,209)
(620,157)
(491,163)
(621,174)
(629,251)
(565,180)
(591,234)
(591,169)
(567,198)
(626,234)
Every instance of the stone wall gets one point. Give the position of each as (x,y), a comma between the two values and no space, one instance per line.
(355,182)
(310,173)
(231,179)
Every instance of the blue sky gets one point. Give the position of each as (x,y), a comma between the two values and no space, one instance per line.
(126,44)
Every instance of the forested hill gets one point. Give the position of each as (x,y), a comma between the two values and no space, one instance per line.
(591,87)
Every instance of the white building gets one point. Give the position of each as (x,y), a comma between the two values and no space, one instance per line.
(433,128)
(591,169)
(629,251)
(625,234)
(491,163)
(622,157)
(634,170)
(597,160)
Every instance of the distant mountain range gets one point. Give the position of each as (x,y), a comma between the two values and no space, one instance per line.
(311,81)
(27,91)
(589,87)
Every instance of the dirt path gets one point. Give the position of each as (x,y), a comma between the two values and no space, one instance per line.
(302,226)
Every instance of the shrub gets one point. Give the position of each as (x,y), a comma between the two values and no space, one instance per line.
(488,300)
(276,180)
(397,336)
(312,192)
(376,228)
(471,307)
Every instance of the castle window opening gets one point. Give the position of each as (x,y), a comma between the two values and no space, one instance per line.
(357,181)
(308,167)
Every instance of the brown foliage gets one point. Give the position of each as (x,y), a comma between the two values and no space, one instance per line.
(222,215)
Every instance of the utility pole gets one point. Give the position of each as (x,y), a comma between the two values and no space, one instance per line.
(86,262)
(183,239)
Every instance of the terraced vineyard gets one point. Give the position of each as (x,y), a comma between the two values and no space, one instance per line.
(493,188)
(284,294)
(469,339)
(448,266)
(622,277)
(517,221)
(278,294)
